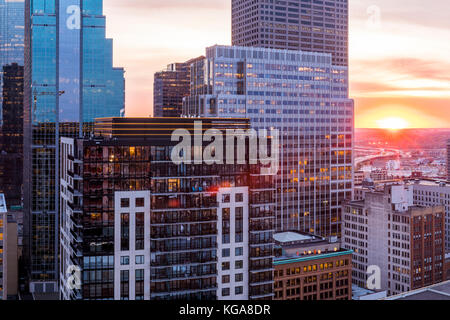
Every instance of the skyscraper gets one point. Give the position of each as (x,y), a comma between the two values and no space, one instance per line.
(11,99)
(304,96)
(11,150)
(307,25)
(69,81)
(145,227)
(170,87)
(11,35)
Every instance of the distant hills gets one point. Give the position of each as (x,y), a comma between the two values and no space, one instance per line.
(404,139)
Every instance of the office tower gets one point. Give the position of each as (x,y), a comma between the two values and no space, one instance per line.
(391,238)
(69,81)
(434,193)
(8,255)
(11,150)
(307,25)
(11,35)
(304,96)
(308,267)
(170,87)
(139,226)
(12,107)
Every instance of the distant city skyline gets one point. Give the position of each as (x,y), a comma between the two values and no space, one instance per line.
(398,60)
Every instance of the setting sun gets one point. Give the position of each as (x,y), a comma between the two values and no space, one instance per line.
(393,123)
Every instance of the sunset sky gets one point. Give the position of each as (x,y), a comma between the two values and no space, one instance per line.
(399,53)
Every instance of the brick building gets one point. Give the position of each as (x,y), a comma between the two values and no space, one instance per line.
(311,268)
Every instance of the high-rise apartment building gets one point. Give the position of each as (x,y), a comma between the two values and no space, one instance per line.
(11,140)
(434,193)
(69,81)
(394,241)
(137,226)
(307,25)
(170,87)
(12,22)
(305,97)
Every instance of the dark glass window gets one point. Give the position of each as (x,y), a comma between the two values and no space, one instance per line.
(125,203)
(124,285)
(239,290)
(125,231)
(225,253)
(140,202)
(140,225)
(139,274)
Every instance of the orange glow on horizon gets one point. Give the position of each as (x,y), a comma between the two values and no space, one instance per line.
(392,123)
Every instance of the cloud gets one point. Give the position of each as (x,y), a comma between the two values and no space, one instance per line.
(413,67)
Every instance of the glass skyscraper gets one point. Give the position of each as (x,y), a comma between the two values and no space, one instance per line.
(170,87)
(11,35)
(303,95)
(69,81)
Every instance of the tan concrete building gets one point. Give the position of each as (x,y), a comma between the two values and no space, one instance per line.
(8,253)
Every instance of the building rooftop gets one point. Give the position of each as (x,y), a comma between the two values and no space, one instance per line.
(285,237)
(359,293)
(440,291)
(430,182)
(294,246)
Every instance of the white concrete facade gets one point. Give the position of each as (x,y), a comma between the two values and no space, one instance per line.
(132,254)
(238,277)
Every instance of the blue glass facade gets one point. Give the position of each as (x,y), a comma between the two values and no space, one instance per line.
(11,35)
(69,81)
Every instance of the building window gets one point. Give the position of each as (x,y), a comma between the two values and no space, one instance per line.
(140,259)
(125,231)
(226,198)
(225,266)
(239,197)
(239,290)
(225,279)
(140,231)
(139,274)
(125,260)
(125,203)
(124,285)
(140,202)
(239,264)
(226,225)
(225,292)
(239,252)
(239,277)
(239,224)
(225,253)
